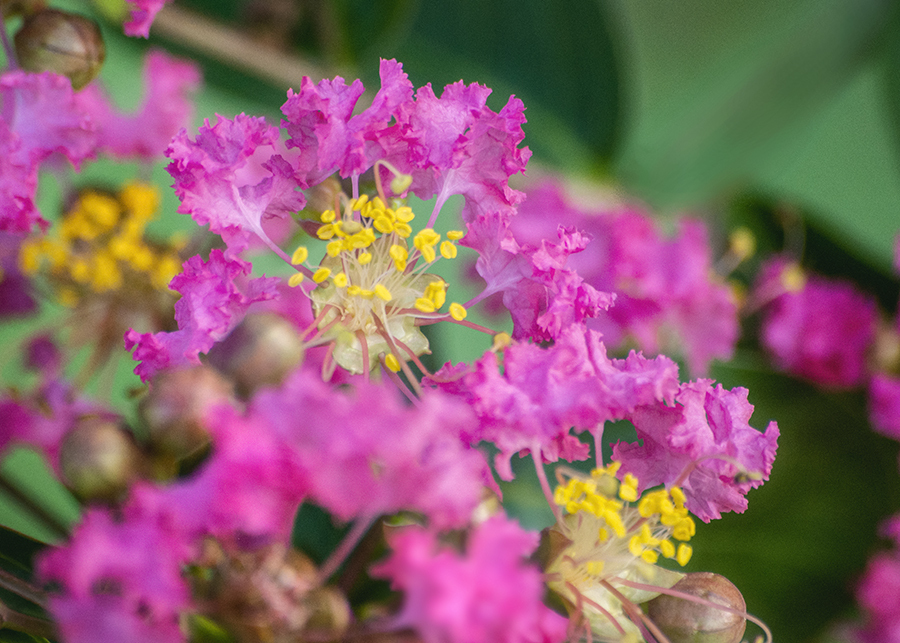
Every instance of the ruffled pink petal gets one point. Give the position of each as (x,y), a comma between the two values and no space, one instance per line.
(489,594)
(215,296)
(143,13)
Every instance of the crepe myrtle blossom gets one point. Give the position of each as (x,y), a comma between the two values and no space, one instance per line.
(143,12)
(374,287)
(817,328)
(664,288)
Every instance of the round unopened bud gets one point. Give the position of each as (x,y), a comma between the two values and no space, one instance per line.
(62,42)
(685,621)
(260,351)
(99,460)
(174,408)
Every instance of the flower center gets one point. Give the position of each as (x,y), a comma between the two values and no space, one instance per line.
(374,288)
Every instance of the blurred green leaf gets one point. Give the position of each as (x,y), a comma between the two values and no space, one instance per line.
(558,56)
(718,89)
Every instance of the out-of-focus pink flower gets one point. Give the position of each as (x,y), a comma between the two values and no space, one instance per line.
(543,393)
(142,14)
(215,297)
(704,422)
(366,453)
(884,405)
(16,298)
(661,286)
(821,331)
(119,581)
(166,107)
(487,595)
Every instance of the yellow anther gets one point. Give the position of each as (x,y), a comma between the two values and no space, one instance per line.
(594,567)
(459,312)
(328,216)
(300,255)
(351,227)
(382,293)
(400,183)
(364,258)
(425,305)
(365,293)
(340,280)
(402,229)
(333,249)
(455,235)
(296,279)
(399,254)
(354,290)
(378,204)
(678,496)
(383,224)
(339,229)
(428,253)
(742,243)
(448,250)
(684,554)
(140,199)
(426,237)
(603,534)
(80,271)
(628,492)
(650,556)
(360,202)
(325,232)
(500,342)
(667,548)
(404,214)
(102,209)
(321,275)
(685,529)
(391,361)
(141,258)
(793,278)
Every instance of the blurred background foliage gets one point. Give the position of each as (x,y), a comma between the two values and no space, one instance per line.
(740,111)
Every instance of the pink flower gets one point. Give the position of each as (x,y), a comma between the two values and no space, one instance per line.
(661,285)
(822,331)
(541,292)
(166,108)
(366,453)
(119,581)
(704,423)
(487,595)
(232,177)
(215,296)
(884,405)
(543,393)
(142,14)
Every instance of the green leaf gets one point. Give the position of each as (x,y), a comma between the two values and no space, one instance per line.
(556,55)
(719,89)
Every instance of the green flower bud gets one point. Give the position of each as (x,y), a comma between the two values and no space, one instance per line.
(261,351)
(99,460)
(61,42)
(685,621)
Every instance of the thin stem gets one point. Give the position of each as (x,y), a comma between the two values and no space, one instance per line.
(50,521)
(23,588)
(8,49)
(364,349)
(330,566)
(398,382)
(414,358)
(635,614)
(542,478)
(598,444)
(36,626)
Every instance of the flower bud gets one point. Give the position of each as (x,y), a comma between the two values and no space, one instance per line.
(63,43)
(260,351)
(174,407)
(99,460)
(685,621)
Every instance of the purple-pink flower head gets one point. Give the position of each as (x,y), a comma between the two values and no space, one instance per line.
(662,287)
(817,328)
(488,594)
(374,286)
(118,581)
(543,393)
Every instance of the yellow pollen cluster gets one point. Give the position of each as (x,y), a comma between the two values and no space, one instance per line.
(99,245)
(648,527)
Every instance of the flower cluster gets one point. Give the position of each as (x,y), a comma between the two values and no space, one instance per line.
(307,388)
